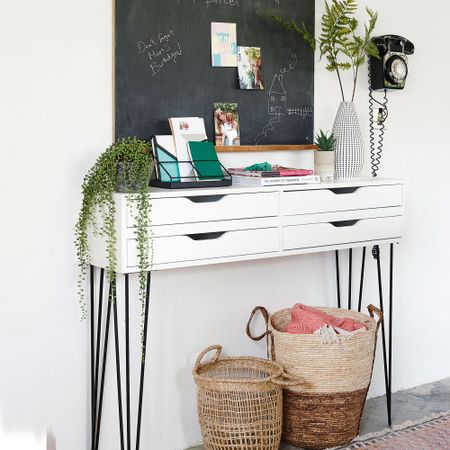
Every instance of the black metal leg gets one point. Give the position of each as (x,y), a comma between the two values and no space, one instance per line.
(338,280)
(99,330)
(119,378)
(361,282)
(92,320)
(127,357)
(99,351)
(350,269)
(376,255)
(391,299)
(102,382)
(144,347)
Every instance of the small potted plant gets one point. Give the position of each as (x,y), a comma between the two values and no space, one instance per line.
(324,156)
(125,166)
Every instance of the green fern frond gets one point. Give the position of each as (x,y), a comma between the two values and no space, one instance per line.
(338,40)
(302,30)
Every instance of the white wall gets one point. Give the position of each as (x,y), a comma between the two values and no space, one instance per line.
(55,117)
(56,104)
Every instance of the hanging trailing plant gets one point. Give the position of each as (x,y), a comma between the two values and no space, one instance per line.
(339,41)
(125,166)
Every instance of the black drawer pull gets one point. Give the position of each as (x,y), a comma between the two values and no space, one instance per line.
(344,190)
(205,198)
(344,223)
(206,236)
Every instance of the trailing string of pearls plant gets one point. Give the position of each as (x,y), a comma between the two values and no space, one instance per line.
(126,167)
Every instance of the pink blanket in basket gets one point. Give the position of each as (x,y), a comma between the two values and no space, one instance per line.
(307,320)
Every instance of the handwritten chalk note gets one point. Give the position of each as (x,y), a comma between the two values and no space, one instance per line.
(162,49)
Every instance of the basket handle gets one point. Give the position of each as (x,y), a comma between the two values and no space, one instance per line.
(286,380)
(270,344)
(217,348)
(373,309)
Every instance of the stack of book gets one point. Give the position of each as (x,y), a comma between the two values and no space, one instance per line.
(279,175)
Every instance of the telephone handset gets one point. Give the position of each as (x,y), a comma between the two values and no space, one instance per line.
(391,69)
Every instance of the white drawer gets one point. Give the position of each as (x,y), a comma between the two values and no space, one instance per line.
(193,247)
(210,207)
(343,232)
(340,199)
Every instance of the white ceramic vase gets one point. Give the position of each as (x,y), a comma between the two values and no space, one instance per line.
(349,147)
(324,165)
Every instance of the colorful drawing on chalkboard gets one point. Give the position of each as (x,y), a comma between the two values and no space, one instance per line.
(226,124)
(250,68)
(223,44)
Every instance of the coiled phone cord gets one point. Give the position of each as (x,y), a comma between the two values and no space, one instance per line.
(376,149)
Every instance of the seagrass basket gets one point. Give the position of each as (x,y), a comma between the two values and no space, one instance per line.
(324,411)
(240,401)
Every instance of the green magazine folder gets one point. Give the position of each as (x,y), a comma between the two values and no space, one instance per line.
(205,160)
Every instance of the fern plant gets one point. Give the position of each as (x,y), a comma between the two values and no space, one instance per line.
(339,41)
(325,141)
(126,166)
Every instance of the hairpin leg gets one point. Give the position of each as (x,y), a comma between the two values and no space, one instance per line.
(391,303)
(127,357)
(102,382)
(338,280)
(92,333)
(142,376)
(376,255)
(350,269)
(99,352)
(118,374)
(361,282)
(99,331)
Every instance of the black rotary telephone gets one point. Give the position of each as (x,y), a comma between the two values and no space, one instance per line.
(391,70)
(388,72)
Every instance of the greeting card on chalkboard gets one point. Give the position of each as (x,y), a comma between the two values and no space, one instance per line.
(223,44)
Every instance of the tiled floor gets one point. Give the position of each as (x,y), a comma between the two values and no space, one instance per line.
(412,404)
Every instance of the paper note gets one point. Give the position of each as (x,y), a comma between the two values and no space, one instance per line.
(223,44)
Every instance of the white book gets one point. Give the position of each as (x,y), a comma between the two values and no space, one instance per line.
(275,181)
(185,129)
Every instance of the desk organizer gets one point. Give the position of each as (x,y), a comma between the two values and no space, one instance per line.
(179,182)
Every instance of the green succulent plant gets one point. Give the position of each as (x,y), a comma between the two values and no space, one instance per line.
(325,141)
(339,41)
(126,166)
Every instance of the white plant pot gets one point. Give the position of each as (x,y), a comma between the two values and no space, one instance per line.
(349,147)
(324,165)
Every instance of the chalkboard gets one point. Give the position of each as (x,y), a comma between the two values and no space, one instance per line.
(163,67)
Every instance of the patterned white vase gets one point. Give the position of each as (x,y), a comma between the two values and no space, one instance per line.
(349,147)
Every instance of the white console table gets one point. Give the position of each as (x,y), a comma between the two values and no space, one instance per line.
(193,227)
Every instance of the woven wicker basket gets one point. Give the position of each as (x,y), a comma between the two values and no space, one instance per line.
(240,401)
(324,411)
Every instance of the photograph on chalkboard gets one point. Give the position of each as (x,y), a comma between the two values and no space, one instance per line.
(226,124)
(250,68)
(223,44)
